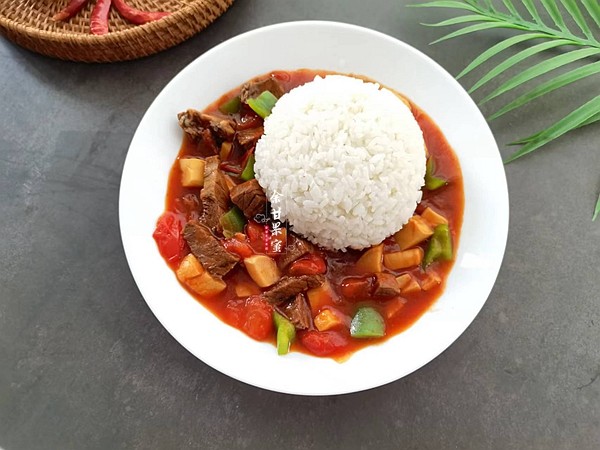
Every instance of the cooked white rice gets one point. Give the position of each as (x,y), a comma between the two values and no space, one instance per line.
(347,159)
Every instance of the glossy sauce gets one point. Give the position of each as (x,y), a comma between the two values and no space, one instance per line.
(448,201)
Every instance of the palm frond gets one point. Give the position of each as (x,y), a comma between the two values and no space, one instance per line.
(499,47)
(597,208)
(564,125)
(575,12)
(515,59)
(554,13)
(593,9)
(540,69)
(578,43)
(549,86)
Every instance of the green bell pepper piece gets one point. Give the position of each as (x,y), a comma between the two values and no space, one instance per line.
(233,221)
(431,181)
(286,333)
(231,106)
(367,323)
(440,245)
(248,172)
(263,104)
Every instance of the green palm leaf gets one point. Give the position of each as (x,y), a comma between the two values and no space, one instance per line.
(511,8)
(564,125)
(531,9)
(555,34)
(515,59)
(461,19)
(540,69)
(549,86)
(597,209)
(593,8)
(493,51)
(478,27)
(552,9)
(575,13)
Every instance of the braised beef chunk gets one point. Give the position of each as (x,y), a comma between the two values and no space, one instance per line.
(214,258)
(250,198)
(195,122)
(214,194)
(189,204)
(296,248)
(254,88)
(386,285)
(247,138)
(298,312)
(288,287)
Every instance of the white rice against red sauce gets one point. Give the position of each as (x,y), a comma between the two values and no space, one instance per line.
(347,158)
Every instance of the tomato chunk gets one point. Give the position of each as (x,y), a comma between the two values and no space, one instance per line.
(239,248)
(324,343)
(312,264)
(169,238)
(256,236)
(357,288)
(258,318)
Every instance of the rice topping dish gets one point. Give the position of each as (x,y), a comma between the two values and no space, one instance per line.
(346,157)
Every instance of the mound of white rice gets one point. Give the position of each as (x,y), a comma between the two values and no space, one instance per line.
(347,160)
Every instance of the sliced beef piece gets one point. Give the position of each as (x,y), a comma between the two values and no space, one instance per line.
(250,198)
(214,194)
(253,89)
(296,248)
(288,287)
(224,127)
(195,122)
(189,205)
(298,312)
(206,247)
(386,285)
(247,138)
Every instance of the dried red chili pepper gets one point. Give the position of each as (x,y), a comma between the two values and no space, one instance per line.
(99,18)
(70,10)
(135,15)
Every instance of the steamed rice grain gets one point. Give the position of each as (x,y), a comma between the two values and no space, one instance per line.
(347,160)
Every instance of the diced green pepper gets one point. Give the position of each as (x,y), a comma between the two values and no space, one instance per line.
(440,245)
(263,104)
(232,221)
(248,172)
(431,181)
(231,106)
(367,323)
(286,333)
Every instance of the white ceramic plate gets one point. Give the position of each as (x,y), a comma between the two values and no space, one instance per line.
(343,48)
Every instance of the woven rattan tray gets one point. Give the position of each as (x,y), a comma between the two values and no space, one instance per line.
(29,23)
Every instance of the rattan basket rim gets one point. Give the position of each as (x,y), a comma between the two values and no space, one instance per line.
(25,33)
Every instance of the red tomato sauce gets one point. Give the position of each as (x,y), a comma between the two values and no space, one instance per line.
(447,201)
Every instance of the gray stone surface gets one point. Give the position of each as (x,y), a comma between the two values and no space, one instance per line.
(85,365)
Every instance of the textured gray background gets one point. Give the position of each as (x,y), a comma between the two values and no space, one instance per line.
(85,365)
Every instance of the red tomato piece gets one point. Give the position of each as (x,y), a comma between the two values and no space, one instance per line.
(258,318)
(234,312)
(323,343)
(312,264)
(169,238)
(356,288)
(241,249)
(256,236)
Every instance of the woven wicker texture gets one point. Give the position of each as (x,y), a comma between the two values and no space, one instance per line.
(29,23)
